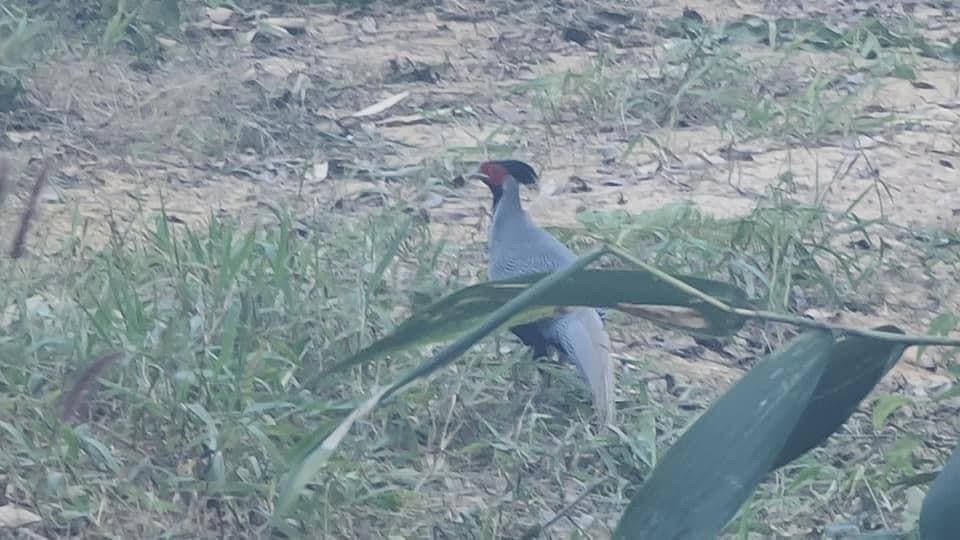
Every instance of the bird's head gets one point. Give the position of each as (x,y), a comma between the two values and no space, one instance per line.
(496,172)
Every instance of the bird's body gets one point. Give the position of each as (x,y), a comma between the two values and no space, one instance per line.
(517,246)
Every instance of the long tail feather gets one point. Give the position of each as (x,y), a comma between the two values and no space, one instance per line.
(584,341)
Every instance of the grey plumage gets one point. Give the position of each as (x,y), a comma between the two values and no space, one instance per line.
(517,246)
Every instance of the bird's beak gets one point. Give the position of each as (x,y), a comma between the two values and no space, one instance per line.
(477,176)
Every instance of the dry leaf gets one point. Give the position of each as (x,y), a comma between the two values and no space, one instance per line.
(18,137)
(431,200)
(269,29)
(368,25)
(50,194)
(210,26)
(319,171)
(381,106)
(13,517)
(166,42)
(294,25)
(219,15)
(818,314)
(404,120)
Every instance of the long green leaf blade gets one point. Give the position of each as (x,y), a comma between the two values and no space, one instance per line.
(718,462)
(856,366)
(940,513)
(632,291)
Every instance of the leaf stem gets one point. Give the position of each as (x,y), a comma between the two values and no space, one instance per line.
(907,339)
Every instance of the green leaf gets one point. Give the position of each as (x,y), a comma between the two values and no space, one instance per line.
(885,406)
(97,451)
(941,325)
(949,393)
(392,250)
(312,459)
(636,292)
(904,71)
(856,366)
(869,38)
(940,513)
(230,324)
(717,463)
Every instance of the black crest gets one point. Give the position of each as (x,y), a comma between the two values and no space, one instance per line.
(522,172)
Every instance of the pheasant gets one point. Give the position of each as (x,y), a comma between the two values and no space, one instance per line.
(517,246)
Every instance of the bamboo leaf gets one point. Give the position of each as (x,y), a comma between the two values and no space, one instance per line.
(312,460)
(856,366)
(636,292)
(885,406)
(718,462)
(940,513)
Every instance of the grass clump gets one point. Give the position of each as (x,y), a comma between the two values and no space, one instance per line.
(19,44)
(781,253)
(706,77)
(218,330)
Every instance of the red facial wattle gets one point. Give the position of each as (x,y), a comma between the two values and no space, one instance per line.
(494,172)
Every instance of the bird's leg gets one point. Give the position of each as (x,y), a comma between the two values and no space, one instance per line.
(545,375)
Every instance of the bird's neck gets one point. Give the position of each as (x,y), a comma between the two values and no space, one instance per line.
(497,192)
(510,222)
(506,199)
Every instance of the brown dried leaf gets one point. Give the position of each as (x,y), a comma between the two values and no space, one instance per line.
(219,15)
(403,120)
(381,106)
(14,517)
(267,28)
(294,25)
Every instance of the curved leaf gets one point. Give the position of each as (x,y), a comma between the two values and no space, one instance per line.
(718,462)
(636,292)
(323,442)
(940,513)
(856,366)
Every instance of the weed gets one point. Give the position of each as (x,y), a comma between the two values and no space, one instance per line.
(779,250)
(217,328)
(708,79)
(19,44)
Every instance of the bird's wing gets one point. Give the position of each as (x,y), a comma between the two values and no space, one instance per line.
(583,340)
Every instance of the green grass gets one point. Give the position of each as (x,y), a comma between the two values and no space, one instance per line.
(711,79)
(785,247)
(28,30)
(218,328)
(192,428)
(209,405)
